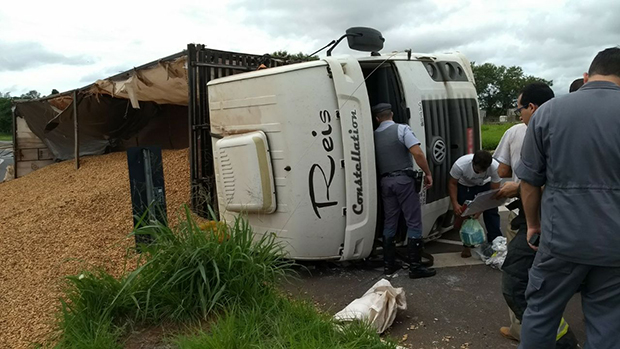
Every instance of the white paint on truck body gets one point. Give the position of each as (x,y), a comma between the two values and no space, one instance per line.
(317,121)
(296,107)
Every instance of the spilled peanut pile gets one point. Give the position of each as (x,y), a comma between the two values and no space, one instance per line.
(58,220)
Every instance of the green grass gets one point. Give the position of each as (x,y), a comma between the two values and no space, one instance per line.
(282,323)
(6,137)
(492,134)
(88,311)
(218,273)
(188,274)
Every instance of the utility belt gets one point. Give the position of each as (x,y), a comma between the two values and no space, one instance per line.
(409,172)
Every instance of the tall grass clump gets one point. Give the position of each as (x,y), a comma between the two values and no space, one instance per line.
(191,272)
(187,273)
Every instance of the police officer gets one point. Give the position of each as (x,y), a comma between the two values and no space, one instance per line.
(572,148)
(394,146)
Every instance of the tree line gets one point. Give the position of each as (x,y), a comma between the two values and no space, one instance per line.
(498,86)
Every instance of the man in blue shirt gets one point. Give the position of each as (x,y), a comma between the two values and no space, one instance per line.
(572,148)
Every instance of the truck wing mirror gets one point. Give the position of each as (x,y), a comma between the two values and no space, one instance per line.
(359,39)
(365,39)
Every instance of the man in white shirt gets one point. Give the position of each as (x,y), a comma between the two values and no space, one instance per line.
(470,175)
(508,154)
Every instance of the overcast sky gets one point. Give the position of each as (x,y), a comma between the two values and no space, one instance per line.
(69,44)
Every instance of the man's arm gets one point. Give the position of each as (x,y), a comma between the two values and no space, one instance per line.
(531,196)
(504,171)
(532,170)
(420,159)
(502,154)
(495,178)
(452,190)
(508,190)
(406,136)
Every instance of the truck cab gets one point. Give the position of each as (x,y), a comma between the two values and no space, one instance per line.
(293,148)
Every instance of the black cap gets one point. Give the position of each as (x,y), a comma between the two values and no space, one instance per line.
(381,107)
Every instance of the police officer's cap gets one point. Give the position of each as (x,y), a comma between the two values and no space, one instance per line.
(381,107)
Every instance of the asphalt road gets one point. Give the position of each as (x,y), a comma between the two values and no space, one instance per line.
(461,307)
(6,157)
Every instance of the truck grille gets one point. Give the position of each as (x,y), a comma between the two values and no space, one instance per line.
(453,124)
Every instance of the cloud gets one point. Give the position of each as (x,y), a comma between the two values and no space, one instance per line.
(324,20)
(552,39)
(17,56)
(555,39)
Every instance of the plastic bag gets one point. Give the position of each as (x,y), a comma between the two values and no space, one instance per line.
(378,306)
(484,251)
(500,249)
(499,244)
(472,233)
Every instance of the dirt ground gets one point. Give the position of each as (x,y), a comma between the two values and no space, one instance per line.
(57,221)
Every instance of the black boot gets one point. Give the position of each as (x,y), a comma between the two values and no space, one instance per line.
(389,256)
(416,269)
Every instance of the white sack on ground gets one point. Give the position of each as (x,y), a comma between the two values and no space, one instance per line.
(378,306)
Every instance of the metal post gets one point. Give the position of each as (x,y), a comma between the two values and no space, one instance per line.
(14,114)
(191,82)
(148,174)
(76,128)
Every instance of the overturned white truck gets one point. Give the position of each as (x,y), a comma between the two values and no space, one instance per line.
(292,146)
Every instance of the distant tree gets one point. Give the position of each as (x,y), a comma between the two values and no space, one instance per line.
(55,92)
(498,86)
(32,94)
(6,117)
(297,57)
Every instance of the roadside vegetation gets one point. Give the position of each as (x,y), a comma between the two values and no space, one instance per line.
(213,273)
(492,134)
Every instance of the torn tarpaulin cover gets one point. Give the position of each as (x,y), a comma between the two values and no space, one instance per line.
(164,83)
(105,124)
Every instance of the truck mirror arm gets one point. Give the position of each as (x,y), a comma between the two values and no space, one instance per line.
(329,52)
(322,48)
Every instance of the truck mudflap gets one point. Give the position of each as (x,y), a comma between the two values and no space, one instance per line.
(359,157)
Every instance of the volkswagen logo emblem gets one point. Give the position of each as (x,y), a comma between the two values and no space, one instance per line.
(438,150)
